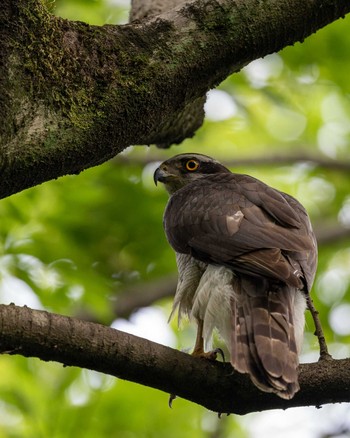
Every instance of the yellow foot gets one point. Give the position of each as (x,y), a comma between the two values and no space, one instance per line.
(211,355)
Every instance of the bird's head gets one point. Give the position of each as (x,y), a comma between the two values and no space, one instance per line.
(183,169)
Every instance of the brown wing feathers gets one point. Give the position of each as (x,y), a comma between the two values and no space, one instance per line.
(265,238)
(196,223)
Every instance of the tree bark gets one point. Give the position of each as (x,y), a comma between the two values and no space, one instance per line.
(74,95)
(214,385)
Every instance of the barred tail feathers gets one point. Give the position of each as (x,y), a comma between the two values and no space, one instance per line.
(263,337)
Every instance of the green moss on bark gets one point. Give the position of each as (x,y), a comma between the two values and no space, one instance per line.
(74,95)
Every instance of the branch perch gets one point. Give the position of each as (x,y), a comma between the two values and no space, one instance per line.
(214,385)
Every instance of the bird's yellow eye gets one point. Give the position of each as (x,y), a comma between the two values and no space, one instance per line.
(192,165)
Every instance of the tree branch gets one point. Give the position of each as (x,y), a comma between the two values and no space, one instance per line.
(264,160)
(74,95)
(330,235)
(285,159)
(134,297)
(72,342)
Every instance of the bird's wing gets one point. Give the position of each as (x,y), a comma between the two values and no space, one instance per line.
(240,222)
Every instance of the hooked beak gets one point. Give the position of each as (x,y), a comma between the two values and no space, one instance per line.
(160,175)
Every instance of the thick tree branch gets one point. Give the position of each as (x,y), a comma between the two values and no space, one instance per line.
(74,95)
(73,342)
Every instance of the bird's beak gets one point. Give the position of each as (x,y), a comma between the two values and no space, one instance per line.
(160,175)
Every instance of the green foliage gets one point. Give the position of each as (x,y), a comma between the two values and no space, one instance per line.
(71,246)
(97,12)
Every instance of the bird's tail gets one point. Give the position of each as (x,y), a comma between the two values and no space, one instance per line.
(263,338)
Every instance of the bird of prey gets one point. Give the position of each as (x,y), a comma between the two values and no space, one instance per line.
(246,256)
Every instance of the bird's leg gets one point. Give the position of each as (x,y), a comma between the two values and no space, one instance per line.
(199,346)
(324,354)
(198,350)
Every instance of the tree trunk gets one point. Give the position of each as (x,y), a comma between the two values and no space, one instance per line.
(74,95)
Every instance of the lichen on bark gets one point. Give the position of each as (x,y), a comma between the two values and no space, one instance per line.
(74,95)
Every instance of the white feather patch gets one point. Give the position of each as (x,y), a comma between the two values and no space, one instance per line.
(233,222)
(211,302)
(299,319)
(190,273)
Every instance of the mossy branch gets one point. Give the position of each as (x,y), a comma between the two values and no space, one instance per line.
(214,385)
(74,95)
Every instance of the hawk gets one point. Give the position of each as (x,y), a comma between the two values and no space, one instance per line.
(246,255)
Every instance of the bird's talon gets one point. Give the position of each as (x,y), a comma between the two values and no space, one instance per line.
(210,355)
(221,353)
(172,397)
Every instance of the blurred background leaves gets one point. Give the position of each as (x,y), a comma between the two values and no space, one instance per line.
(76,245)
